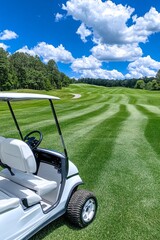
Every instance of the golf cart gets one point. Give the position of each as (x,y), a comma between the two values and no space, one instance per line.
(37,185)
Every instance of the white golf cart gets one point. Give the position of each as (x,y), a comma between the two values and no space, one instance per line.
(38,185)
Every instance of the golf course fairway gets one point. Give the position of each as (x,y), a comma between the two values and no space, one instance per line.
(113,137)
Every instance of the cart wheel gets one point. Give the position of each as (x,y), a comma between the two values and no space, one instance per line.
(82,208)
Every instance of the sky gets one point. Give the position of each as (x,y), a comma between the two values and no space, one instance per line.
(117,39)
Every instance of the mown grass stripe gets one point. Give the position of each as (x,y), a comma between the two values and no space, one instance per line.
(152,130)
(100,149)
(130,185)
(82,130)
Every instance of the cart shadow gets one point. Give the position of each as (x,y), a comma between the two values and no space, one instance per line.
(52,227)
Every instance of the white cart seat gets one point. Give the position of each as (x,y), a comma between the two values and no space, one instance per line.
(27,196)
(18,156)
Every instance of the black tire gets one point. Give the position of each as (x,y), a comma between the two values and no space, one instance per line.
(82,208)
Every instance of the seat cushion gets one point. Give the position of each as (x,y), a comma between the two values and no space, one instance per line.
(27,196)
(40,185)
(7,202)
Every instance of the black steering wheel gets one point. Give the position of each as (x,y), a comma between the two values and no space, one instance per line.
(32,141)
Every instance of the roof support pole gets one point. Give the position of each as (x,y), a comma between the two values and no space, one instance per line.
(58,128)
(15,120)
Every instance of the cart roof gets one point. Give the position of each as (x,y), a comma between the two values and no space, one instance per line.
(5,96)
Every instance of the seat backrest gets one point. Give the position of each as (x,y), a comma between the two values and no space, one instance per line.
(17,154)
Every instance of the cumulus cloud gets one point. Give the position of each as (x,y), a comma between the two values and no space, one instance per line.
(25,49)
(87,63)
(109,22)
(106,19)
(143,27)
(116,33)
(90,67)
(142,67)
(83,32)
(105,52)
(4,46)
(102,73)
(48,51)
(8,35)
(58,17)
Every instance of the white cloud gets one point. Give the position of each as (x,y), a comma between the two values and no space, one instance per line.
(116,33)
(144,27)
(106,19)
(109,22)
(25,49)
(128,52)
(48,51)
(8,35)
(87,63)
(90,67)
(143,67)
(83,32)
(101,73)
(58,17)
(4,46)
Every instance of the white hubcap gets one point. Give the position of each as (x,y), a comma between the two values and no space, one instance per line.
(88,211)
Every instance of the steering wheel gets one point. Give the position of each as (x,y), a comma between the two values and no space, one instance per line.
(32,141)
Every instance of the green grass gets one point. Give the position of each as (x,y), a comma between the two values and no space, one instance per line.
(113,136)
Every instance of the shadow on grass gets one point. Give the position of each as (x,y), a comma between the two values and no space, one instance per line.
(53,226)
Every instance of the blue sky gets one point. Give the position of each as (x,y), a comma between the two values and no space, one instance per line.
(87,38)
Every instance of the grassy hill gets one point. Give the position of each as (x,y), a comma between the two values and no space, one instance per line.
(112,135)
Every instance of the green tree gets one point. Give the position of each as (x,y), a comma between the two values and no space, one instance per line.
(149,86)
(4,68)
(51,69)
(65,80)
(140,84)
(21,70)
(54,75)
(8,77)
(19,61)
(155,85)
(158,77)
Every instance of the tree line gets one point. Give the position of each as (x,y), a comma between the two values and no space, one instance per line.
(149,83)
(21,70)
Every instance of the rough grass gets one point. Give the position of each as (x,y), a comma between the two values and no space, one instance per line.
(112,135)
